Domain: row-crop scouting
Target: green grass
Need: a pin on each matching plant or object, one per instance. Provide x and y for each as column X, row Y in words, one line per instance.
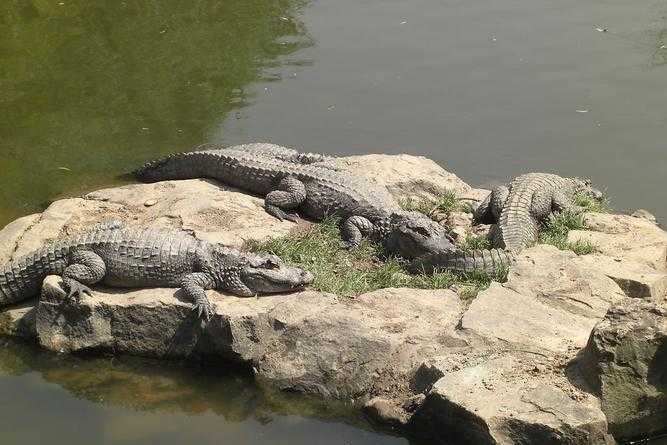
column 445, row 204
column 475, row 242
column 556, row 230
column 592, row 205
column 361, row 270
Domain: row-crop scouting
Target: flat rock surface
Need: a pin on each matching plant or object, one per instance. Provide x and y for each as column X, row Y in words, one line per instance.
column 626, row 238
column 407, row 175
column 500, row 369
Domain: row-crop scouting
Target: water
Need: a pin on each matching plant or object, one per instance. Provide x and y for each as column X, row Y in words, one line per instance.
column 89, row 90
column 126, row 400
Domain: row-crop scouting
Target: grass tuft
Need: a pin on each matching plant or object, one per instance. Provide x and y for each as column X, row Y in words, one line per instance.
column 475, row 242
column 361, row 270
column 445, row 204
column 592, row 205
column 556, row 230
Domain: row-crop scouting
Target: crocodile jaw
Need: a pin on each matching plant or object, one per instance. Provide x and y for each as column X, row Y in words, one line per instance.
column 277, row 279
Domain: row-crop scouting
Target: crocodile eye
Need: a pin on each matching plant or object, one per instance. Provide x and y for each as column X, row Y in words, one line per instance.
column 271, row 263
column 421, row 230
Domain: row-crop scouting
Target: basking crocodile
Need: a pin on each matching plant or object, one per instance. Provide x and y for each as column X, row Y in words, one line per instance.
column 518, row 210
column 144, row 257
column 273, row 151
column 315, row 188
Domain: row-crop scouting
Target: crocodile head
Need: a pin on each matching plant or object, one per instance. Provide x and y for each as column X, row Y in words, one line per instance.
column 249, row 274
column 585, row 187
column 414, row 234
column 268, row 274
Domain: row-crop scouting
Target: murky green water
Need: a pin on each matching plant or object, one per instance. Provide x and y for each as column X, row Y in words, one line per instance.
column 126, row 400
column 90, row 89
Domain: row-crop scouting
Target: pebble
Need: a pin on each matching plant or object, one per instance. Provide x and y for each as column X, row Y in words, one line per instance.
column 150, row 202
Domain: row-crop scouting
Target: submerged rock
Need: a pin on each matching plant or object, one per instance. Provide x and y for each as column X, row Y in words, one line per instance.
column 502, row 369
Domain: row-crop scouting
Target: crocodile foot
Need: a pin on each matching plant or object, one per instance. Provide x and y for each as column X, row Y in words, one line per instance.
column 281, row 214
column 204, row 311
column 349, row 244
column 76, row 290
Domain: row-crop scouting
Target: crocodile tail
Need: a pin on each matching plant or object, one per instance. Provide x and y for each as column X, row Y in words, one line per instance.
column 488, row 261
column 22, row 278
column 189, row 165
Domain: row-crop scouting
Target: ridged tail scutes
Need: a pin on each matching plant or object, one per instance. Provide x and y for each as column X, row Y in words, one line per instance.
column 187, row 165
column 489, row 261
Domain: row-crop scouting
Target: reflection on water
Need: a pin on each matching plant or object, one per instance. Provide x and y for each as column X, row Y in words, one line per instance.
column 132, row 400
column 91, row 89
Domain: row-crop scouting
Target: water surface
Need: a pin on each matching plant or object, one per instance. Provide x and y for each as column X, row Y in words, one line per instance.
column 489, row 90
column 125, row 400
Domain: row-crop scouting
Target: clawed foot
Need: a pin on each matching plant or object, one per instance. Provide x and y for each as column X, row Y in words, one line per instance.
column 281, row 214
column 294, row 217
column 349, row 245
column 76, row 290
column 204, row 312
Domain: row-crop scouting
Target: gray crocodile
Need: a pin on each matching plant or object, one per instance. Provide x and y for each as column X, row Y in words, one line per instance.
column 144, row 257
column 317, row 188
column 518, row 210
column 273, row 151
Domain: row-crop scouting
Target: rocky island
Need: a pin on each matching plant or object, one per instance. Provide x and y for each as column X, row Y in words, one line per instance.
column 569, row 348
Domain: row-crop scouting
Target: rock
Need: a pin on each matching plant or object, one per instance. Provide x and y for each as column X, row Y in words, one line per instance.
column 548, row 303
column 460, row 219
column 625, row 237
column 644, row 214
column 18, row 321
column 385, row 412
column 637, row 280
column 501, row 401
column 308, row 342
column 626, row 362
column 150, row 202
column 459, row 234
column 474, row 195
column 12, row 236
column 407, row 175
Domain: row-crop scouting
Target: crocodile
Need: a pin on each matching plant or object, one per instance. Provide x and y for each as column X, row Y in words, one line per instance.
column 317, row 189
column 518, row 210
column 120, row 256
column 274, row 151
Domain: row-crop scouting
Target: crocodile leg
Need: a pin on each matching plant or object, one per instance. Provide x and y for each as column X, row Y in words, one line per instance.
column 85, row 267
column 353, row 229
column 498, row 199
column 560, row 202
column 290, row 194
column 194, row 285
column 488, row 211
column 482, row 214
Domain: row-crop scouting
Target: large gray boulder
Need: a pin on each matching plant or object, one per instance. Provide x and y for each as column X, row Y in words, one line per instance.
column 626, row 362
column 509, row 384
column 310, row 342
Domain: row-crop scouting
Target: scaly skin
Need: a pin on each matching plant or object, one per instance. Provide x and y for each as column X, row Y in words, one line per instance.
column 518, row 210
column 274, row 151
column 306, row 182
column 144, row 257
